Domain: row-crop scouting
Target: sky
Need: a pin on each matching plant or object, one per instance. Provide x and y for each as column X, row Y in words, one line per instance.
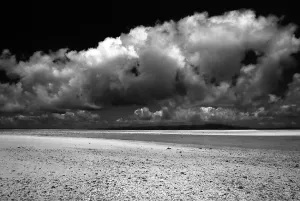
column 87, row 66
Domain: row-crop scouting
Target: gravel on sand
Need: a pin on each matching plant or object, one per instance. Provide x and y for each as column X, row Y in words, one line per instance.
column 64, row 168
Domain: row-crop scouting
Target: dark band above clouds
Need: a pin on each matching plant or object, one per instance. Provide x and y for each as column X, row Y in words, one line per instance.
column 235, row 60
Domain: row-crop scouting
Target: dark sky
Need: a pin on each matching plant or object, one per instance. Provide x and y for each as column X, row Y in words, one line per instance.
column 49, row 26
column 43, row 26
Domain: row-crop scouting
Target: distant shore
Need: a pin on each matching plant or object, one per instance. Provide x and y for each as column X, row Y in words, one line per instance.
column 154, row 126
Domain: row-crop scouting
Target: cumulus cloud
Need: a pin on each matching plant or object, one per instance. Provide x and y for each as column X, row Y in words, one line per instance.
column 145, row 114
column 194, row 114
column 75, row 119
column 197, row 60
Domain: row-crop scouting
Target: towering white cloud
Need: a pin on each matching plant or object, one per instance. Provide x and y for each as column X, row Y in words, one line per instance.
column 198, row 59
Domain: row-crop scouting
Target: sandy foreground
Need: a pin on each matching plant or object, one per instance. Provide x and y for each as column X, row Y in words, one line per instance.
column 68, row 168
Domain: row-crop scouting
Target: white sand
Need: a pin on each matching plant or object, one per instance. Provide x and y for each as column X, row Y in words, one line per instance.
column 64, row 168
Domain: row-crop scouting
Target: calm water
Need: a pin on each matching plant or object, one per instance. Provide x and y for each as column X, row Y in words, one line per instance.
column 63, row 132
column 267, row 139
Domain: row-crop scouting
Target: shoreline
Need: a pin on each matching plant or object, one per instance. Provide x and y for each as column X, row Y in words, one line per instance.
column 198, row 139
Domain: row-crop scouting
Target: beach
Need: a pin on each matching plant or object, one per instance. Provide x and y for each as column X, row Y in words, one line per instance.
column 87, row 165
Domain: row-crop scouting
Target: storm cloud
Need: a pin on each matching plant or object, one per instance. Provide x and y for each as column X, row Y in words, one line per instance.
column 235, row 59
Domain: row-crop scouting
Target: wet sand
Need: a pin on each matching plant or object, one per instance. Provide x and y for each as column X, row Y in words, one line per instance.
column 67, row 168
column 253, row 139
